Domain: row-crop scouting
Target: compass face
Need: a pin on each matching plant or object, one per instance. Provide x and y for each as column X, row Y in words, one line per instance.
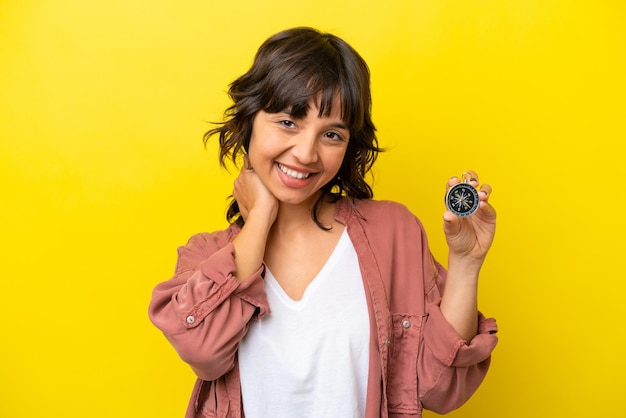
column 462, row 199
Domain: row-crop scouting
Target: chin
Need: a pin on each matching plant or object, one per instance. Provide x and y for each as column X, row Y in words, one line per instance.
column 292, row 200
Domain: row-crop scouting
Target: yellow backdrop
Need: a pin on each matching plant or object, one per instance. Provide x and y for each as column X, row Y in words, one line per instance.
column 103, row 174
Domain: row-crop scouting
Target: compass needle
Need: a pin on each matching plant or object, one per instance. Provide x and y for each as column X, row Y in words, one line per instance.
column 462, row 199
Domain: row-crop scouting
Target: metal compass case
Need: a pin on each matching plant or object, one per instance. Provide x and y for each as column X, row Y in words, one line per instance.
column 462, row 199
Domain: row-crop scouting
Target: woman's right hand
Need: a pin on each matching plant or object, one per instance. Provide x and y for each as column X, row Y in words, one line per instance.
column 252, row 195
column 259, row 209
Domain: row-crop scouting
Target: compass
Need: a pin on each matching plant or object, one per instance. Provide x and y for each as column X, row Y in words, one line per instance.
column 462, row 199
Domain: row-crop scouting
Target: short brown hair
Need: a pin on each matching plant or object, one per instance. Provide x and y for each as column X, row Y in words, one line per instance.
column 289, row 69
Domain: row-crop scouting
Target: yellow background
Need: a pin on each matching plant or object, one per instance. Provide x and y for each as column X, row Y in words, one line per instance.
column 103, row 174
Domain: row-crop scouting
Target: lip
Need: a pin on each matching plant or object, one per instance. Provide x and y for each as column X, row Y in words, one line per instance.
column 300, row 170
column 294, row 182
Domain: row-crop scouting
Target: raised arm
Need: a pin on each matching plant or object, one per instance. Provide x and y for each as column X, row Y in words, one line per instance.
column 458, row 338
column 469, row 240
column 204, row 310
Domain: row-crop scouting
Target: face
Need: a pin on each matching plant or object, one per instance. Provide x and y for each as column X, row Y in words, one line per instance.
column 293, row 157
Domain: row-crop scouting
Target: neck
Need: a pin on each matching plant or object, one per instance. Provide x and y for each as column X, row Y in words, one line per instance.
column 291, row 217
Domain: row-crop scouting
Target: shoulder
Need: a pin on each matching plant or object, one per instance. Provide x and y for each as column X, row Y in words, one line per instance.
column 202, row 245
column 379, row 217
column 212, row 240
column 383, row 211
column 377, row 206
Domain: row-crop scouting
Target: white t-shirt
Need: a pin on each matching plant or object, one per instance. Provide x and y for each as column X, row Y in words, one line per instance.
column 310, row 358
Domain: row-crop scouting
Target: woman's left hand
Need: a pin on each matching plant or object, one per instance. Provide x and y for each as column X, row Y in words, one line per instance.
column 471, row 237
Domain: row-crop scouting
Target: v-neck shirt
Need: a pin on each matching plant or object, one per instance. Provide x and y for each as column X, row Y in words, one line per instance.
column 309, row 358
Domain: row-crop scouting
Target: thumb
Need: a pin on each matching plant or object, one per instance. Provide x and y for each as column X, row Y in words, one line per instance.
column 451, row 224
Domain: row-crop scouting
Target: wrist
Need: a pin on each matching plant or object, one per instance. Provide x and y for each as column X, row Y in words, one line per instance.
column 262, row 216
column 466, row 265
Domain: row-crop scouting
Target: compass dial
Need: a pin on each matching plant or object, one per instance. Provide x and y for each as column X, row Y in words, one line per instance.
column 462, row 199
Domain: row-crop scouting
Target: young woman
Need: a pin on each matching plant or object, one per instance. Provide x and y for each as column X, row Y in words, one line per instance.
column 318, row 301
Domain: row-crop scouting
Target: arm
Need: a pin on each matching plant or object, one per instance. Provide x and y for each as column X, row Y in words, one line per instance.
column 259, row 208
column 458, row 340
column 204, row 310
column 450, row 369
column 469, row 240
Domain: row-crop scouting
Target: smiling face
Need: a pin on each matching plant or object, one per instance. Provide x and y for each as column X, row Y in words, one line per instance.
column 289, row 69
column 295, row 157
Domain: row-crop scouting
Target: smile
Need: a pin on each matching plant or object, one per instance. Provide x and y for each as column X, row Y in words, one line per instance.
column 293, row 173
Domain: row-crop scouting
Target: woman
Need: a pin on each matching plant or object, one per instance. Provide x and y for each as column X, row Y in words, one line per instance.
column 318, row 301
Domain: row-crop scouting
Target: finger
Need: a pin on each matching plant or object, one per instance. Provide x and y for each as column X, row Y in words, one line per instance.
column 486, row 211
column 449, row 217
column 470, row 177
column 451, row 224
column 485, row 192
column 452, row 181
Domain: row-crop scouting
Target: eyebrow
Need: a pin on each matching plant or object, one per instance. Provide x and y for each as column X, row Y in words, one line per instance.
column 336, row 125
column 339, row 125
column 289, row 112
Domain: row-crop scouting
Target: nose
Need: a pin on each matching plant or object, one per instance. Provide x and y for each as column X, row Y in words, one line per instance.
column 305, row 149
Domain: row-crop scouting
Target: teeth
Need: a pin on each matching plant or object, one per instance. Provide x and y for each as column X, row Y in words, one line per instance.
column 293, row 173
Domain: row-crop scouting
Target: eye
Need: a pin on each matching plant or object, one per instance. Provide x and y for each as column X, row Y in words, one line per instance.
column 334, row 136
column 287, row 123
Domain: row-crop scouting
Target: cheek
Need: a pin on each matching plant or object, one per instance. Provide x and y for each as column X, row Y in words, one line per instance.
column 339, row 162
column 262, row 155
column 344, row 162
column 255, row 150
column 255, row 157
column 341, row 156
column 335, row 163
column 256, row 133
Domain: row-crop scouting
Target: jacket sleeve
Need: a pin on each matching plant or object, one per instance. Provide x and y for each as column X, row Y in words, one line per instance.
column 204, row 311
column 450, row 368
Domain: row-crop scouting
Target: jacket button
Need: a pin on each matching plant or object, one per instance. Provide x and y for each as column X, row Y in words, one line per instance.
column 191, row 319
column 406, row 323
